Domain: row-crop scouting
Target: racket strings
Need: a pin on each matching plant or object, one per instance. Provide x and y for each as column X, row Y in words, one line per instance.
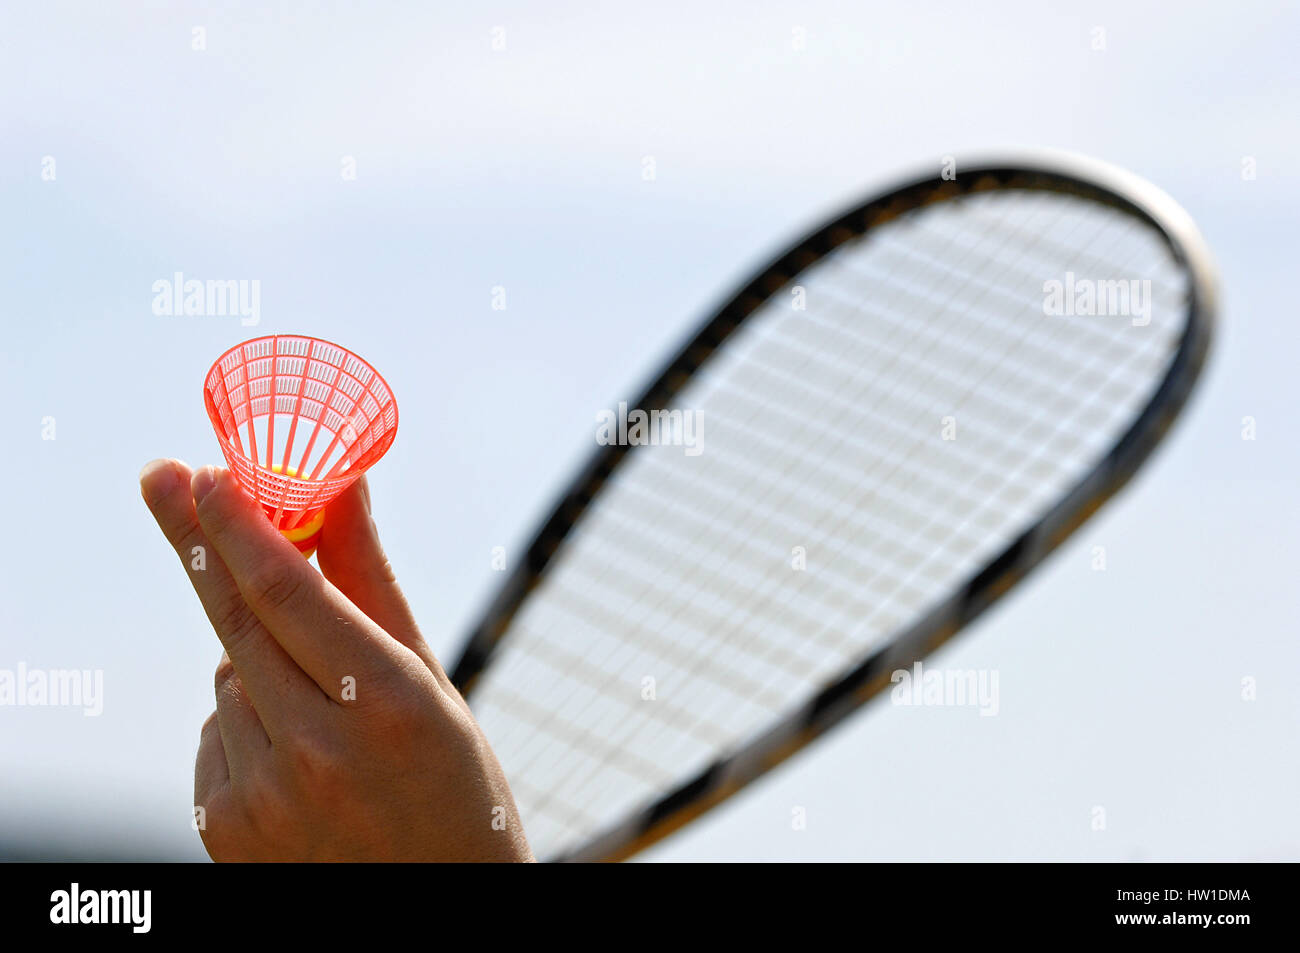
column 1050, row 412
column 822, row 412
column 1044, row 250
column 1037, row 375
column 681, row 567
column 754, row 647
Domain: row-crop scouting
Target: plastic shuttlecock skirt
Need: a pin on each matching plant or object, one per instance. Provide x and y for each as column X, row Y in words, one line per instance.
column 299, row 420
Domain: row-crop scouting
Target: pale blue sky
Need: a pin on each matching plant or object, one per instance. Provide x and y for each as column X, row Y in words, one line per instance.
column 522, row 168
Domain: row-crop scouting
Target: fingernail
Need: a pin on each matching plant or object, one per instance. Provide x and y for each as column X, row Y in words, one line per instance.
column 157, row 479
column 205, row 478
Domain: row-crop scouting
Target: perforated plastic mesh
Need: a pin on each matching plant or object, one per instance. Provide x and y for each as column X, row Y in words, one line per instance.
column 299, row 420
column 860, row 459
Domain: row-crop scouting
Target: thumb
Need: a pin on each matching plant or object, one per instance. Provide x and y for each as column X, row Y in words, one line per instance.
column 351, row 557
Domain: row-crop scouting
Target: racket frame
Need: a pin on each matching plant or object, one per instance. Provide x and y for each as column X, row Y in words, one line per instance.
column 1047, row 171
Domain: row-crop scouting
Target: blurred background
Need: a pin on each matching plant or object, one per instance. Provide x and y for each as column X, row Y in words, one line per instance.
column 388, row 173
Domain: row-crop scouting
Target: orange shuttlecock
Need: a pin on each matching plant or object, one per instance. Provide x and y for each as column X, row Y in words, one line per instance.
column 299, row 420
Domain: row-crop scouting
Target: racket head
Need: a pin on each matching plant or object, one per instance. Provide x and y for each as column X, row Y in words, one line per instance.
column 1163, row 246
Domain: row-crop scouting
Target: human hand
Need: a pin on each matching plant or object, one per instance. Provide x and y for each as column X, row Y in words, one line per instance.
column 337, row 735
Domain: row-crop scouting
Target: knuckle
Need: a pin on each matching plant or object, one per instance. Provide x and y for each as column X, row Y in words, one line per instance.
column 401, row 716
column 311, row 760
column 400, row 692
column 230, row 692
column 272, row 585
column 235, row 623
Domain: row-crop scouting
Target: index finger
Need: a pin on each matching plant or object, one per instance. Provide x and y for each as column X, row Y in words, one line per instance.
column 276, row 685
column 321, row 630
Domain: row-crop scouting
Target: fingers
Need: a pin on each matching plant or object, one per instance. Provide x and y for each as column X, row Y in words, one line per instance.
column 243, row 737
column 270, row 676
column 324, row 633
